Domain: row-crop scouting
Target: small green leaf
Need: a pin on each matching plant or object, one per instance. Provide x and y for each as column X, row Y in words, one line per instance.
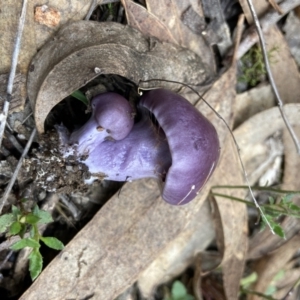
column 250, row 279
column 80, row 96
column 28, row 242
column 15, row 228
column 32, row 219
column 279, row 231
column 5, row 221
column 22, row 231
column 35, row 263
column 36, row 210
column 45, row 217
column 294, row 207
column 16, row 211
column 178, row 290
column 53, row 243
column 271, row 200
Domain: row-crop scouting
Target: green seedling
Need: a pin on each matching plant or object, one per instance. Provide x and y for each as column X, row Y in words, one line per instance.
column 81, row 97
column 273, row 210
column 18, row 222
column 179, row 292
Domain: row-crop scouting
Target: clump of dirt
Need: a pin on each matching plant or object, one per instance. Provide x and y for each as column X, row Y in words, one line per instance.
column 51, row 171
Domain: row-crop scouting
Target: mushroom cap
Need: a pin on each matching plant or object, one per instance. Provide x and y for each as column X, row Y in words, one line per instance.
column 193, row 143
column 112, row 117
column 113, row 113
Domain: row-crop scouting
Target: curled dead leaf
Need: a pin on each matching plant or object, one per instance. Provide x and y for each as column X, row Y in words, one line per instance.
column 69, row 61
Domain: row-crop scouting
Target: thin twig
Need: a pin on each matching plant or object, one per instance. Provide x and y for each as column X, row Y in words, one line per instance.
column 7, row 257
column 239, row 31
column 270, row 76
column 276, row 6
column 18, row 167
column 91, row 9
column 14, row 61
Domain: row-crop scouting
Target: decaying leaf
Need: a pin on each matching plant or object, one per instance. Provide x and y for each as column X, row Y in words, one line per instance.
column 164, row 20
column 35, row 34
column 83, row 50
column 284, row 68
column 251, row 102
column 257, row 129
column 268, row 266
column 179, row 253
column 147, row 23
column 231, row 224
column 264, row 242
column 260, row 8
column 19, row 92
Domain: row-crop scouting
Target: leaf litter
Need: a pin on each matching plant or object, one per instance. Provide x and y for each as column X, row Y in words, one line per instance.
column 139, row 227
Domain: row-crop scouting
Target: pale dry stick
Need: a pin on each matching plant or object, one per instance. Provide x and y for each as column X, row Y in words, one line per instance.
column 14, row 61
column 268, row 20
column 276, row 6
column 7, row 257
column 270, row 76
column 18, row 167
column 91, row 9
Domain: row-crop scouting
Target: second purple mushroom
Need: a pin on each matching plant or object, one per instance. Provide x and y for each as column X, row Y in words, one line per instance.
column 180, row 148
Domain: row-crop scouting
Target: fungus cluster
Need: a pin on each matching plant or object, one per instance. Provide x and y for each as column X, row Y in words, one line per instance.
column 172, row 142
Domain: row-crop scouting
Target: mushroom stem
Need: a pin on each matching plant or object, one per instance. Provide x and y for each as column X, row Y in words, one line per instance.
column 143, row 153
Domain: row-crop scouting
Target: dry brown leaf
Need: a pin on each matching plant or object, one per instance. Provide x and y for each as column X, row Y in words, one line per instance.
column 268, row 266
column 291, row 162
column 265, row 242
column 179, row 253
column 275, row 6
column 285, row 284
column 167, row 14
column 35, row 34
column 10, row 12
column 120, row 242
column 19, row 92
column 260, row 8
column 283, row 66
column 255, row 131
column 231, row 224
column 139, row 18
column 87, row 49
column 251, row 102
column 232, row 228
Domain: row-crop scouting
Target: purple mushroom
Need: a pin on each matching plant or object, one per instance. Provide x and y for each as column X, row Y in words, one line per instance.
column 180, row 148
column 112, row 118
